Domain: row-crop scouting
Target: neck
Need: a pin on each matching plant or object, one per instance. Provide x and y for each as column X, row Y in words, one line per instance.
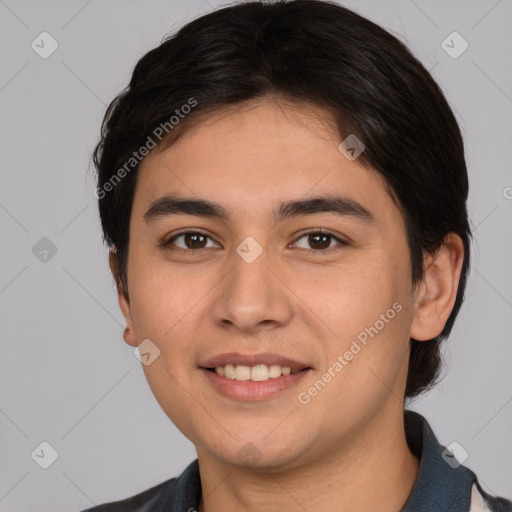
column 373, row 470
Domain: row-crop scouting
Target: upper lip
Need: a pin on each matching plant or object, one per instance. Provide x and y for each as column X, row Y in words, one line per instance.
column 267, row 358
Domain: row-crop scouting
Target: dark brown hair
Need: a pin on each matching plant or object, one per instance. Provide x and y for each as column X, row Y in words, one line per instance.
column 305, row 51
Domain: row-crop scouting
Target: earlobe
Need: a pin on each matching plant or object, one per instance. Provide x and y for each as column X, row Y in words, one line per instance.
column 129, row 334
column 436, row 294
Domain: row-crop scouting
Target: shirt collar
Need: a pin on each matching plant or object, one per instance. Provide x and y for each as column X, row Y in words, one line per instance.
column 441, row 484
column 185, row 495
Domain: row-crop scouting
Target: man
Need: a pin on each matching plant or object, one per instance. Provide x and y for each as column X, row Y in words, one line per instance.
column 283, row 188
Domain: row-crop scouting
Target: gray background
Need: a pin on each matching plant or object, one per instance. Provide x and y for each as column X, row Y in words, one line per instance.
column 66, row 375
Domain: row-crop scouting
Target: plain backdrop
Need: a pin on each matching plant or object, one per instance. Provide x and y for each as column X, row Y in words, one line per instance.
column 66, row 376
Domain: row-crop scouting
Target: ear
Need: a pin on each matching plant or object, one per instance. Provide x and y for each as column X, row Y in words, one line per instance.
column 129, row 334
column 436, row 294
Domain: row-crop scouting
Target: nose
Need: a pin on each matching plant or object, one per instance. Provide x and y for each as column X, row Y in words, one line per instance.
column 253, row 296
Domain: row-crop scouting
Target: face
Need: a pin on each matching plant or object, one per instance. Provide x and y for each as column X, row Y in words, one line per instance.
column 320, row 288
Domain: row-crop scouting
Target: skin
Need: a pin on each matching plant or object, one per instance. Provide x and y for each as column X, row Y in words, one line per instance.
column 346, row 449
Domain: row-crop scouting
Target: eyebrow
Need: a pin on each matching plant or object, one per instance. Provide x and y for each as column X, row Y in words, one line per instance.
column 174, row 205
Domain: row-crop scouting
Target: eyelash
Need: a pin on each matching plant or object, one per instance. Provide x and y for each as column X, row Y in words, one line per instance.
column 168, row 243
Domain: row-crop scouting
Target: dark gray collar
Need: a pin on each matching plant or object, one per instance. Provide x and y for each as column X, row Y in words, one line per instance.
column 439, row 486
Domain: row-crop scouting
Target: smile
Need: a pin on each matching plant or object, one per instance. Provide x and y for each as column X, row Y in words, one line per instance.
column 256, row 373
column 251, row 390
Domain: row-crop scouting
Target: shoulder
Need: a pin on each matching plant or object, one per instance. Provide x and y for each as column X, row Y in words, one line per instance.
column 179, row 493
column 484, row 502
column 138, row 502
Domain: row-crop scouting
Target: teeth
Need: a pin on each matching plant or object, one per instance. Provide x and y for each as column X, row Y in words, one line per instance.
column 230, row 371
column 260, row 372
column 243, row 372
column 274, row 370
column 257, row 373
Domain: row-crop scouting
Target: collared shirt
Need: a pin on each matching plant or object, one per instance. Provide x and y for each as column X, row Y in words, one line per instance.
column 442, row 484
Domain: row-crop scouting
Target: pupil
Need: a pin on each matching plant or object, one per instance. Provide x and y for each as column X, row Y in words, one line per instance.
column 312, row 240
column 195, row 237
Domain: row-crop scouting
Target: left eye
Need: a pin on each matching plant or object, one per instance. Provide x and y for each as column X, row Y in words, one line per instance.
column 320, row 240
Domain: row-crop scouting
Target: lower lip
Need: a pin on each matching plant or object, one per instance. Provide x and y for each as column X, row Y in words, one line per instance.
column 252, row 390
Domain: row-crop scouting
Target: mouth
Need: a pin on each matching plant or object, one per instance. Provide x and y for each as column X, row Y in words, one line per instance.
column 253, row 377
column 256, row 373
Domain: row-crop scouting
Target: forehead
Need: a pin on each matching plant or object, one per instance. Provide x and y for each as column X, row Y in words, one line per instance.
column 253, row 158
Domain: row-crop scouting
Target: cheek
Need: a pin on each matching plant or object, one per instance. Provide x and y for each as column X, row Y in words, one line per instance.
column 156, row 288
column 366, row 309
column 350, row 296
column 159, row 300
column 161, row 306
